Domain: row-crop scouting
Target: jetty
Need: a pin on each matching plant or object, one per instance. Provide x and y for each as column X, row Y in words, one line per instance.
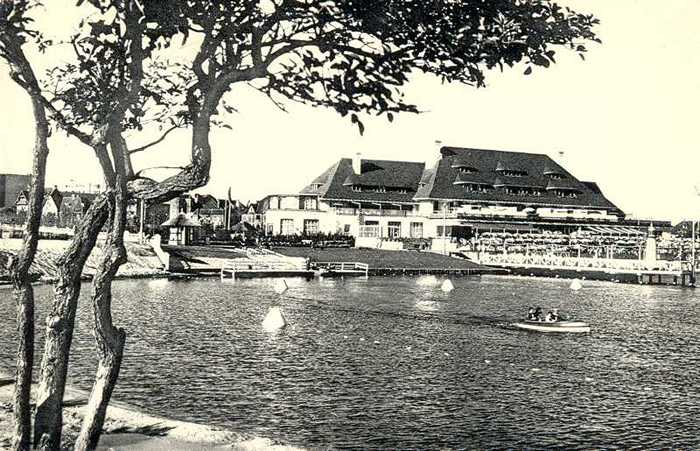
column 660, row 272
column 330, row 269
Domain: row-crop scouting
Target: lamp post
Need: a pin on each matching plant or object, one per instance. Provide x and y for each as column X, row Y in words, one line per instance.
column 143, row 215
column 444, row 228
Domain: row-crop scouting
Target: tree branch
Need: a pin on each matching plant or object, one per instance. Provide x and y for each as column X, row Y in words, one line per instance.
column 156, row 142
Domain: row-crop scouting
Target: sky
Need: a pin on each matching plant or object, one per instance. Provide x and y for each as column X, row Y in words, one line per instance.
column 625, row 118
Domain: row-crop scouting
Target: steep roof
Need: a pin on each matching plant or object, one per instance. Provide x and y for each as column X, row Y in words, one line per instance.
column 321, row 183
column 394, row 176
column 508, row 169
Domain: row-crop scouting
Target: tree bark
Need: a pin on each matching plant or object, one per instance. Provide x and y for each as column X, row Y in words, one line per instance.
column 109, row 339
column 48, row 420
column 23, row 291
column 22, row 72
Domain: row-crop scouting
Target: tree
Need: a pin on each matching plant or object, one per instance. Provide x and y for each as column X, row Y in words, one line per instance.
column 353, row 56
column 12, row 36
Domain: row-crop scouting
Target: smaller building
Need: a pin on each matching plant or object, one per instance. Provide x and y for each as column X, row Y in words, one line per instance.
column 51, row 210
column 74, row 205
column 182, row 229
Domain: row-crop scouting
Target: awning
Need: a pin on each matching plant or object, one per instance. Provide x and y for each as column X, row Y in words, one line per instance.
column 614, row 230
column 497, row 226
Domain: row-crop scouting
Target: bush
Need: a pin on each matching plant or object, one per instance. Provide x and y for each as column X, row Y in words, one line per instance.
column 316, row 240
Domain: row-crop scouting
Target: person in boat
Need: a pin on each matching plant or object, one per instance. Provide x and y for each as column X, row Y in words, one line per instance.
column 538, row 314
column 555, row 315
column 531, row 314
column 552, row 316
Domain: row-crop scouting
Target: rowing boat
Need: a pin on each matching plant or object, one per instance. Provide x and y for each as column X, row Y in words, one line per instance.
column 554, row 326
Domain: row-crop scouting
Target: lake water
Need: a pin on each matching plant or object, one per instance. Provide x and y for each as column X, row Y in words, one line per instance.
column 397, row 363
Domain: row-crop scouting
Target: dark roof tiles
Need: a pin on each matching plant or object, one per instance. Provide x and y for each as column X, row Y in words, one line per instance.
column 399, row 178
column 531, row 166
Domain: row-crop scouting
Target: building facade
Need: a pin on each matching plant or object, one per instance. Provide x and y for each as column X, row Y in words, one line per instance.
column 468, row 191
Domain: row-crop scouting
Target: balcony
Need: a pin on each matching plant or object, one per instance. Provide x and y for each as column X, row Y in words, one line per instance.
column 374, row 212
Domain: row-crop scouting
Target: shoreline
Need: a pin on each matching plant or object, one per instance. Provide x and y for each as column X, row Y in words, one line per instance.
column 128, row 428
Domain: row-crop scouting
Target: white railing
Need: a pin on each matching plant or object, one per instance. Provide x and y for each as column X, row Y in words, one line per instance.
column 583, row 263
column 263, row 263
column 344, row 267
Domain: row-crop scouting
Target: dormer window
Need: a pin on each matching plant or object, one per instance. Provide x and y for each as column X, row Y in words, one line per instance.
column 522, row 191
column 509, row 170
column 464, row 166
column 477, row 188
column 316, row 186
column 357, row 188
column 566, row 193
column 512, row 173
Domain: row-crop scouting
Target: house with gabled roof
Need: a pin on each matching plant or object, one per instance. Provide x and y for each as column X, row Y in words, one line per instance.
column 467, row 191
column 51, row 210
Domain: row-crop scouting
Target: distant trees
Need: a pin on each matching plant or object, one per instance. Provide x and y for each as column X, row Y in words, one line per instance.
column 353, row 57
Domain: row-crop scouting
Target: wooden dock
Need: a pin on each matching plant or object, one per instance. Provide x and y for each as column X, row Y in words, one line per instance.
column 340, row 269
column 683, row 276
column 272, row 268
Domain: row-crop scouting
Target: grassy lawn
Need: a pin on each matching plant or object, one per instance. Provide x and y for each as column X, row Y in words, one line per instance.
column 377, row 258
column 193, row 252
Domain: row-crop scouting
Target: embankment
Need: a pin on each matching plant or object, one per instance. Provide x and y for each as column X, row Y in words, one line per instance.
column 141, row 260
column 128, row 429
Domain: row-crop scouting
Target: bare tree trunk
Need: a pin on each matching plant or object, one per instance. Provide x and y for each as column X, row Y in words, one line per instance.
column 22, row 73
column 48, row 420
column 23, row 291
column 109, row 339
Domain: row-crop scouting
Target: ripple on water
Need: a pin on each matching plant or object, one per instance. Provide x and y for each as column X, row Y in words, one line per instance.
column 397, row 363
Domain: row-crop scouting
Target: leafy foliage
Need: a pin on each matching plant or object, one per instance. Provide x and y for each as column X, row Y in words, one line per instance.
column 353, row 56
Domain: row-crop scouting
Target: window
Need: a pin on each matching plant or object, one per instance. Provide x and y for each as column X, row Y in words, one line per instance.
column 556, row 176
column 513, row 173
column 309, row 203
column 476, row 188
column 287, row 227
column 448, row 231
column 468, row 170
column 416, row 230
column 316, row 186
column 357, row 188
column 346, row 229
column 565, row 193
column 394, row 229
column 310, row 226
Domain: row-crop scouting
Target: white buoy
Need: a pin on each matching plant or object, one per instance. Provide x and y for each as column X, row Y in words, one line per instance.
column 274, row 320
column 281, row 286
column 447, row 286
column 576, row 285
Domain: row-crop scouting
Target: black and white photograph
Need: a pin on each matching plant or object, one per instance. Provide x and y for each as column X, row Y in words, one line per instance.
column 349, row 225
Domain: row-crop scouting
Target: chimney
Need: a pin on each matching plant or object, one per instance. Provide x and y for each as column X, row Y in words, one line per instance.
column 174, row 207
column 357, row 163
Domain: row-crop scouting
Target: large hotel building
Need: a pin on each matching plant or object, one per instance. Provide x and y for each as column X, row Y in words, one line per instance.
column 468, row 191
